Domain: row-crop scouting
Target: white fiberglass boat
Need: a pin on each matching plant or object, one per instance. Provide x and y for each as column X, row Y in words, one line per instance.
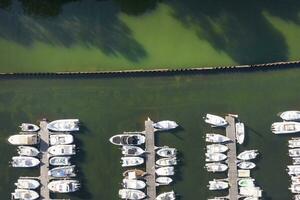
column 166, row 161
column 215, row 121
column 56, row 139
column 296, row 160
column 248, row 155
column 246, row 165
column 60, row 160
column 26, row 183
column 23, row 139
column 297, row 197
column 134, row 174
column 26, row 127
column 285, row 127
column 128, row 150
column 131, row 161
column 166, row 196
column 166, row 152
column 293, row 170
column 218, row 185
column 27, row 151
column 216, row 167
column 24, row 194
column 62, row 172
column 251, row 191
column 292, row 115
column 64, row 186
column 163, row 180
column 251, row 198
column 246, row 182
column 165, row 171
column 240, row 132
column 165, row 125
column 215, row 157
column 62, row 150
column 64, row 125
column 131, row 194
column 295, row 179
column 294, row 152
column 216, row 148
column 294, row 143
column 127, row 139
column 24, row 161
column 216, row 138
column 295, row 188
column 133, row 184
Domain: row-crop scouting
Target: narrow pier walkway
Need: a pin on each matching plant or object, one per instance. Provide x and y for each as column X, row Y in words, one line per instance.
column 232, row 167
column 150, row 160
column 44, row 166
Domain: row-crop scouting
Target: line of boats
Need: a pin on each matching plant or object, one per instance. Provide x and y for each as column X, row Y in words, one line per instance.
column 133, row 155
column 290, row 123
column 60, row 152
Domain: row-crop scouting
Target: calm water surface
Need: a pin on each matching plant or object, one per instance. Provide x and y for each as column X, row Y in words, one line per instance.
column 109, row 106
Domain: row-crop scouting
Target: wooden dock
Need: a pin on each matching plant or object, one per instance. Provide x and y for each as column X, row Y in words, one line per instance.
column 232, row 167
column 150, row 160
column 44, row 166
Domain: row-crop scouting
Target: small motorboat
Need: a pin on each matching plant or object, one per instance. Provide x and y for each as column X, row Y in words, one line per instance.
column 131, row 194
column 131, row 161
column 216, row 167
column 292, row 115
column 133, row 184
column 57, row 139
column 248, row 155
column 24, row 194
column 216, row 138
column 215, row 121
column 295, row 188
column 251, row 198
column 127, row 139
column 215, row 157
column 166, row 152
column 62, row 150
column 26, row 127
column 64, row 125
column 216, row 148
column 165, row 125
column 62, row 172
column 218, row 185
column 128, row 150
column 165, row 171
column 246, row 182
column 294, row 152
column 64, row 186
column 166, row 161
column 251, row 192
column 60, row 160
column 297, row 197
column 294, row 143
column 23, row 139
column 27, row 183
column 166, row 196
column 285, row 127
column 296, row 160
column 24, row 161
column 246, row 165
column 134, row 174
column 163, row 180
column 295, row 179
column 240, row 132
column 27, row 151
column 293, row 170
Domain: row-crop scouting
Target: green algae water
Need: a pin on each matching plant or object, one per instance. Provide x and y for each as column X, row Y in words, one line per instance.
column 89, row 35
column 109, row 106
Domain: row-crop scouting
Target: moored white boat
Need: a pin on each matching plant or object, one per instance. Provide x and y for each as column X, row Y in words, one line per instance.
column 64, row 125
column 131, row 161
column 133, row 184
column 295, row 179
column 60, row 160
column 216, row 167
column 24, row 194
column 285, row 127
column 294, row 143
column 246, row 165
column 296, row 160
column 166, row 152
column 60, row 139
column 134, row 174
column 23, row 139
column 297, row 197
column 216, row 138
column 24, row 161
column 240, row 132
column 64, row 186
column 216, row 148
column 26, row 127
column 295, row 188
column 251, row 191
column 218, row 185
column 248, row 155
column 27, row 183
column 246, row 182
column 215, row 121
column 291, row 115
column 131, row 194
column 215, row 157
column 128, row 150
column 62, row 172
column 62, row 150
column 27, row 151
column 165, row 171
column 294, row 152
column 166, row 196
column 293, row 170
column 127, row 139
column 163, row 180
column 165, row 125
column 166, row 161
